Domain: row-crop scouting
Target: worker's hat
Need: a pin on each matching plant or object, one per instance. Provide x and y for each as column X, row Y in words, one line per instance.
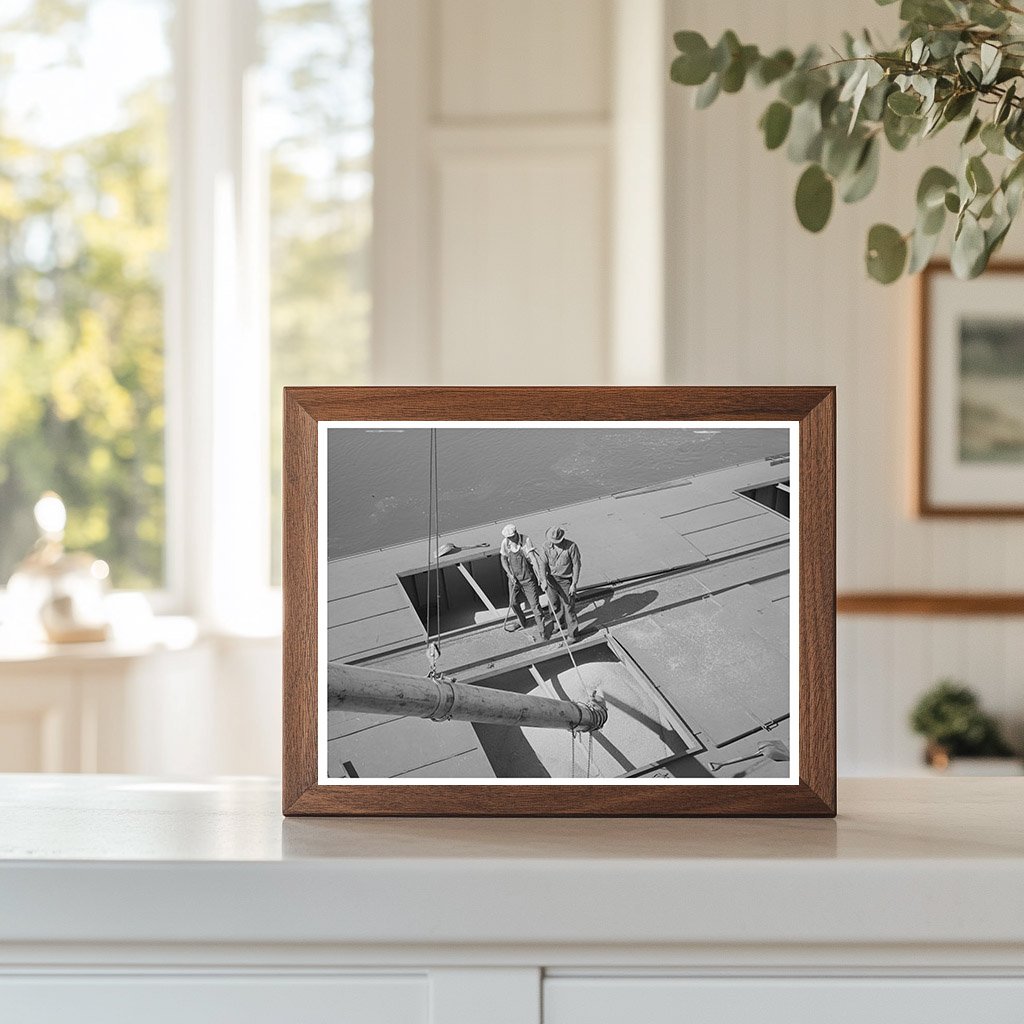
column 510, row 530
column 556, row 533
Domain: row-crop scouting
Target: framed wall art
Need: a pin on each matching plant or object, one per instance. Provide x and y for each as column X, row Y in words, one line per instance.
column 559, row 601
column 970, row 423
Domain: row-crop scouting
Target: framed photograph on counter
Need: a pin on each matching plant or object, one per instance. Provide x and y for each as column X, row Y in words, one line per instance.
column 970, row 444
column 559, row 601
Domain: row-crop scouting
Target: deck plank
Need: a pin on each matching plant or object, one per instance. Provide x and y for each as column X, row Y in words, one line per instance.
column 758, row 529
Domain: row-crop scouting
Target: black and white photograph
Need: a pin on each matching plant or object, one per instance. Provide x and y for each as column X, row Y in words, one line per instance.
column 571, row 602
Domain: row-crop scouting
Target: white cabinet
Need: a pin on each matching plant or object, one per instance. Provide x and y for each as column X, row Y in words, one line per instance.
column 202, row 999
column 824, row 1000
column 126, row 899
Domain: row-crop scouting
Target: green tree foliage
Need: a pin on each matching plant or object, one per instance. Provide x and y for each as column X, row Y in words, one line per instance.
column 318, row 89
column 82, row 229
column 956, row 61
column 82, row 242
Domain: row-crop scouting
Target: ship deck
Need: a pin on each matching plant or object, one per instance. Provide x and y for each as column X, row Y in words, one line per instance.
column 685, row 612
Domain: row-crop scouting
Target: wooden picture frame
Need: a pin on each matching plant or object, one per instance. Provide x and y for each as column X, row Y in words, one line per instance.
column 809, row 414
column 937, row 481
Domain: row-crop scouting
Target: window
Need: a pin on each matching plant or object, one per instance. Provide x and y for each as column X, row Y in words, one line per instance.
column 83, row 237
column 317, row 117
column 185, row 220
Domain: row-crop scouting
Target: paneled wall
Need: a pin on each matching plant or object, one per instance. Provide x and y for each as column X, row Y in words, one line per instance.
column 511, row 138
column 754, row 299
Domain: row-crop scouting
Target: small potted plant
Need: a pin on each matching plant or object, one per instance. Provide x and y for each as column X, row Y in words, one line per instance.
column 950, row 717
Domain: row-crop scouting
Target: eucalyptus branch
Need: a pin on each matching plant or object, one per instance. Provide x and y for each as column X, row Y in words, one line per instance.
column 954, row 58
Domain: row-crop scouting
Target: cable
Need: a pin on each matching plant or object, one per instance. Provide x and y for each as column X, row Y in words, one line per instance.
column 430, row 528
column 583, row 687
column 437, row 542
column 433, row 558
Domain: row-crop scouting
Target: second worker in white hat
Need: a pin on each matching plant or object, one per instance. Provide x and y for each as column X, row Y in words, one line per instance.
column 522, row 565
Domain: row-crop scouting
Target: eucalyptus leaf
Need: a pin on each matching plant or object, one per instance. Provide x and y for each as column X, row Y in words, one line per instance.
column 987, row 15
column 735, row 74
column 775, row 124
column 993, row 138
column 840, row 152
column 929, row 12
column 1013, row 187
column 886, row 253
column 707, row 93
column 958, row 105
column 922, row 248
column 805, row 133
column 944, row 44
column 827, row 106
column 1014, row 192
column 865, row 173
column 932, row 220
column 814, row 195
column 794, row 88
column 931, row 190
column 968, row 248
column 900, row 130
column 933, row 122
column 904, row 103
column 692, row 68
column 873, row 106
column 724, row 51
column 925, row 88
column 973, row 130
column 978, row 176
column 771, row 69
column 991, row 60
column 1005, row 105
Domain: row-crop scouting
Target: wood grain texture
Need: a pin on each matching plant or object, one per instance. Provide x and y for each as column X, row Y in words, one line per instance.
column 812, row 407
column 299, row 591
column 922, row 502
column 925, row 603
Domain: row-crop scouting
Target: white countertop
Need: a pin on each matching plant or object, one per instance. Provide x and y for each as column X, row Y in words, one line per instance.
column 123, row 859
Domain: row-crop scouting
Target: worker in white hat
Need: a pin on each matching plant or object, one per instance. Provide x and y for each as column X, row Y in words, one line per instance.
column 521, row 562
column 561, row 563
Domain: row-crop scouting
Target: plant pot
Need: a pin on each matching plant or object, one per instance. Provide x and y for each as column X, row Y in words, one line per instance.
column 939, row 759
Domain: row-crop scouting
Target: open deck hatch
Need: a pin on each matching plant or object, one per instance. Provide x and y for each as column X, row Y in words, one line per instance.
column 470, row 591
column 773, row 496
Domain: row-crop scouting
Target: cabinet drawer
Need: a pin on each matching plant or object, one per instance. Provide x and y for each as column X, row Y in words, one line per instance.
column 661, row 1000
column 202, row 999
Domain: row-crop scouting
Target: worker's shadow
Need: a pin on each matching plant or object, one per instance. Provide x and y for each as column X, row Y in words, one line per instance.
column 607, row 609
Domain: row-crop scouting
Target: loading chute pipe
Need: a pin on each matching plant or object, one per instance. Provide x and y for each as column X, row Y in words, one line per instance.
column 356, row 688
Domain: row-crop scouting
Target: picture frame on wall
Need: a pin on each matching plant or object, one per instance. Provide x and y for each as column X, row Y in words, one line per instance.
column 559, row 601
column 969, row 448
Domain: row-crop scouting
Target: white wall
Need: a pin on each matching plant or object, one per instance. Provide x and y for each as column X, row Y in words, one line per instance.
column 501, row 160
column 754, row 299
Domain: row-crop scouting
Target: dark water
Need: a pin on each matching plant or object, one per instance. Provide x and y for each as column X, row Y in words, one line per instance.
column 377, row 480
